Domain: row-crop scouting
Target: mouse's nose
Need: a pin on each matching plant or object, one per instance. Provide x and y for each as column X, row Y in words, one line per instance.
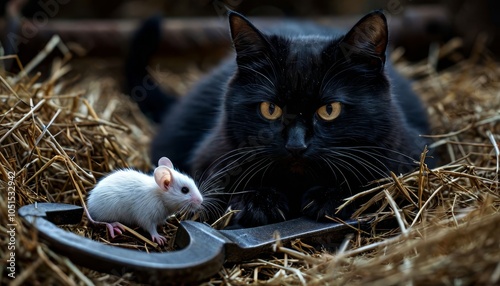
column 197, row 200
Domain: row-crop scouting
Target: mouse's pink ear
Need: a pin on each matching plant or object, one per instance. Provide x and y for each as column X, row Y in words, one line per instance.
column 163, row 177
column 164, row 161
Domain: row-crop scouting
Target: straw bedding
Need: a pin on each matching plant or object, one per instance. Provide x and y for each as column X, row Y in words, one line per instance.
column 60, row 133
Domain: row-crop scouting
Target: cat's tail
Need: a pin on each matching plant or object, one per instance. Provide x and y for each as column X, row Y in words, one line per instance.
column 139, row 84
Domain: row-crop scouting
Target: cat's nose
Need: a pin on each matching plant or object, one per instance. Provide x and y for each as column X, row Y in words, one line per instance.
column 296, row 141
column 296, row 150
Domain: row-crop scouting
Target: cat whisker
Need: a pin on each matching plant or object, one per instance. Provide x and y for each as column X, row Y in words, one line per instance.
column 271, row 64
column 331, row 77
column 330, row 167
column 229, row 155
column 369, row 149
column 248, row 172
column 262, row 87
column 387, row 170
column 240, row 192
column 226, row 156
column 214, row 180
column 281, row 214
column 308, row 205
column 234, row 163
column 334, row 165
column 251, row 171
column 367, row 165
column 265, row 167
column 349, row 166
column 259, row 73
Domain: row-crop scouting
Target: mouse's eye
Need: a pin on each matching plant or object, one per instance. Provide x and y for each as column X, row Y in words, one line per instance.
column 185, row 190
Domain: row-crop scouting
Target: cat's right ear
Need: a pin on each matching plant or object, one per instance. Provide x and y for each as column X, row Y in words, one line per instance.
column 247, row 40
column 368, row 38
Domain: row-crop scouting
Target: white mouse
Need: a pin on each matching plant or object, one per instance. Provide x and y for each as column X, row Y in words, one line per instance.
column 134, row 198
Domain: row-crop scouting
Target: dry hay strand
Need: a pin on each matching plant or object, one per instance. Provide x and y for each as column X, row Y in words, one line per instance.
column 61, row 133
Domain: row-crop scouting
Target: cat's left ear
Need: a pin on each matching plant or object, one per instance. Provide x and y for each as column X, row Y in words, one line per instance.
column 247, row 40
column 368, row 38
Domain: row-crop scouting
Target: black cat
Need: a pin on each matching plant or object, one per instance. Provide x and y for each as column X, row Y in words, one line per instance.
column 298, row 120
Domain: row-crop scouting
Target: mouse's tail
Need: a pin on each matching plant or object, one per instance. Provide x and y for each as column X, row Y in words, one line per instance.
column 139, row 84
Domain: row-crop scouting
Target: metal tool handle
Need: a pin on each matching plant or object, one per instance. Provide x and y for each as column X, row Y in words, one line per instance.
column 193, row 263
column 203, row 254
column 246, row 243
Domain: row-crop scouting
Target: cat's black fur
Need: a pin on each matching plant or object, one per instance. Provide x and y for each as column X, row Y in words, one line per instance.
column 272, row 170
column 140, row 86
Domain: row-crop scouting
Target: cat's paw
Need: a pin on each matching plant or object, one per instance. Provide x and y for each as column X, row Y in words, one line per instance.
column 320, row 202
column 259, row 207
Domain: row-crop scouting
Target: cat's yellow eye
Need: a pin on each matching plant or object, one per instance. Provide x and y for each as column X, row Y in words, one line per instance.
column 329, row 111
column 270, row 110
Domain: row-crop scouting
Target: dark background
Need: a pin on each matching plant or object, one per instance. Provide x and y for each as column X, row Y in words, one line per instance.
column 194, row 29
column 107, row 9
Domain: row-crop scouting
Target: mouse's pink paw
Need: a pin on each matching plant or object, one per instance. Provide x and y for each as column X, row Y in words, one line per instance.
column 158, row 239
column 115, row 227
